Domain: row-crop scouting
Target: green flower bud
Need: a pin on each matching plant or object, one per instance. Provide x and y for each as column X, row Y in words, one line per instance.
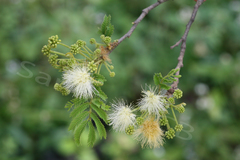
column 170, row 133
column 111, row 67
column 139, row 120
column 97, row 45
column 107, row 40
column 74, row 49
column 70, row 62
column 92, row 41
column 65, row 68
column 112, row 74
column 178, row 128
column 163, row 121
column 53, row 41
column 92, row 66
column 60, row 88
column 65, row 92
column 46, row 50
column 171, row 100
column 130, row 130
column 102, row 37
column 52, row 59
column 56, row 86
column 97, row 51
column 81, row 43
column 181, row 109
column 177, row 93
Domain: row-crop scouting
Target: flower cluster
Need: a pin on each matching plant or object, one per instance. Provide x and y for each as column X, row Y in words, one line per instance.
column 150, row 133
column 78, row 81
column 146, row 127
column 81, row 68
column 152, row 102
column 122, row 116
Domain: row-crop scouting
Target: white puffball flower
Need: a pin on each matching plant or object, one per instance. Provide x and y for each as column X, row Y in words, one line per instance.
column 152, row 102
column 121, row 117
column 78, row 81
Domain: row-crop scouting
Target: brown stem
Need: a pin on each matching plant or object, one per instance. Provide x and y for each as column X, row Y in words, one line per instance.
column 135, row 23
column 183, row 45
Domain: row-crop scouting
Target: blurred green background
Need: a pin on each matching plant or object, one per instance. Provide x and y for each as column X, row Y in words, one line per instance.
column 33, row 121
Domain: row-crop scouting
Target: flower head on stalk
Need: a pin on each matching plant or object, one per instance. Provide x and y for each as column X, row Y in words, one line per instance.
column 122, row 116
column 152, row 102
column 150, row 134
column 78, row 81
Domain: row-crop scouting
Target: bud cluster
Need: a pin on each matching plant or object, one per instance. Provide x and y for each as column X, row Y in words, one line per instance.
column 177, row 93
column 170, row 134
column 130, row 130
column 60, row 88
column 53, row 41
column 163, row 121
column 178, row 128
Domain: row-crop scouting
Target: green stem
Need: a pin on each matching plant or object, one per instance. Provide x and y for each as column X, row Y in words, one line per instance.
column 62, row 59
column 99, row 68
column 86, row 51
column 159, row 89
column 65, row 45
column 100, row 44
column 135, row 109
column 93, row 80
column 89, row 50
column 55, row 52
column 98, row 62
column 80, row 60
column 174, row 115
column 144, row 115
column 168, row 126
column 106, row 65
column 84, row 56
column 90, row 110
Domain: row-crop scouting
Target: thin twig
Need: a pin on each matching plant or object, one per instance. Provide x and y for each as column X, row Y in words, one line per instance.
column 183, row 45
column 135, row 23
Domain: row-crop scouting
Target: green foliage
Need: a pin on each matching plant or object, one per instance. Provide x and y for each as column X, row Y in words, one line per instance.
column 101, row 113
column 105, row 107
column 83, row 113
column 74, row 102
column 77, row 119
column 99, row 77
column 79, row 109
column 91, row 134
column 100, row 94
column 78, row 131
column 107, row 28
column 100, row 127
column 162, row 82
column 99, row 103
column 69, row 105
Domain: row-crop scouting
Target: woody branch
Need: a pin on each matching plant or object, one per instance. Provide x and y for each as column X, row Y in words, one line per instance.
column 183, row 45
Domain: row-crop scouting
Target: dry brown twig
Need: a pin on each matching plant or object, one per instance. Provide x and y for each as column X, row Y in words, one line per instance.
column 135, row 23
column 183, row 45
column 182, row 40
